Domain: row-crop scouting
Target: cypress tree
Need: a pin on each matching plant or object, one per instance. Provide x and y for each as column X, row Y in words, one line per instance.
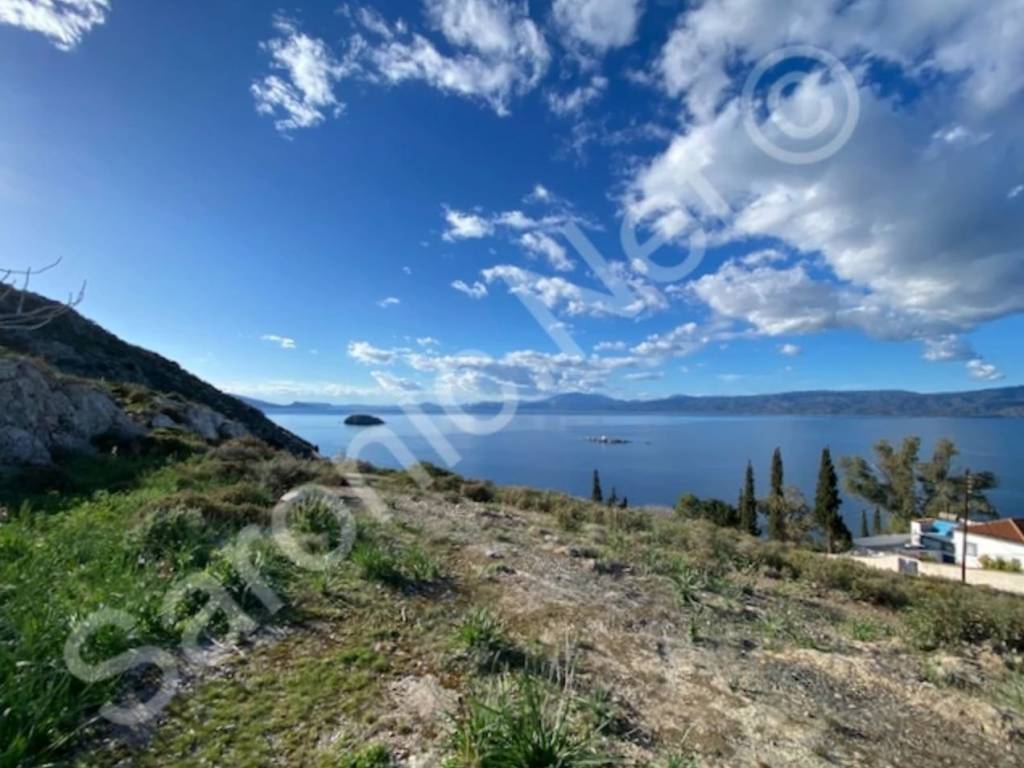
column 827, row 503
column 748, row 504
column 777, row 500
column 877, row 522
column 864, row 524
column 595, row 494
column 614, row 498
column 625, row 503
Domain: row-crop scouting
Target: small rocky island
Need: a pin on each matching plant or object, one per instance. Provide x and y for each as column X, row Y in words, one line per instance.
column 363, row 420
column 606, row 440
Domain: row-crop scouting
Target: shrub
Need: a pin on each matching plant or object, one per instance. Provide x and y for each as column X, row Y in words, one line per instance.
column 315, row 520
column 482, row 492
column 523, row 721
column 999, row 564
column 481, row 633
column 373, row 756
column 177, row 533
column 391, row 564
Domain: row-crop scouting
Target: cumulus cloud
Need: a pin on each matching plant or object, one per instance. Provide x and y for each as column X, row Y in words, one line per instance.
column 428, row 341
column 304, row 94
column 282, row 341
column 633, row 297
column 366, row 353
column 475, row 291
column 497, row 51
column 390, row 301
column 462, row 225
column 880, row 240
column 789, row 350
column 972, row 42
column 575, row 101
column 64, row 22
column 979, row 369
column 395, row 384
column 549, row 248
column 598, row 24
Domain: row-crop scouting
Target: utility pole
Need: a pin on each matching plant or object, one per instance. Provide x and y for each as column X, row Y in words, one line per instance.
column 968, row 481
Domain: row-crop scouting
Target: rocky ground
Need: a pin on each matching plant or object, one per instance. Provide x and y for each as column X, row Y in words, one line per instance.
column 749, row 671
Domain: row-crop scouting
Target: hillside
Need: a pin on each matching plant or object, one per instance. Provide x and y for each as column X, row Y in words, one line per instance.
column 76, row 346
column 476, row 626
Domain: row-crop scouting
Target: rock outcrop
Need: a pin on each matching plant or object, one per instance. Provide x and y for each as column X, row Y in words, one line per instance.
column 78, row 347
column 45, row 415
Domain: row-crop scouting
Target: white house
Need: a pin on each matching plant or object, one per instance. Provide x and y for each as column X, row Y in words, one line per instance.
column 998, row 540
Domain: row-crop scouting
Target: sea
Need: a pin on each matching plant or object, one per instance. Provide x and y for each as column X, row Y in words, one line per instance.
column 666, row 455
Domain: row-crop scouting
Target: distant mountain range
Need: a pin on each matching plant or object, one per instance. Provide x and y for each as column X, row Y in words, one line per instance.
column 1002, row 402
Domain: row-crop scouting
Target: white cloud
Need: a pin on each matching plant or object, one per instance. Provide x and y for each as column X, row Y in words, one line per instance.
column 947, row 347
column 540, row 194
column 979, row 369
column 644, row 376
column 789, row 350
column 682, row 340
column 428, row 341
column 305, row 94
column 499, row 52
column 573, row 102
column 366, row 353
column 978, row 44
column 598, row 24
column 390, row 301
column 882, row 242
column 549, row 248
column 286, row 389
column 282, row 341
column 465, row 226
column 557, row 293
column 395, row 384
column 64, row 22
column 1015, row 192
column 610, row 346
column 475, row 291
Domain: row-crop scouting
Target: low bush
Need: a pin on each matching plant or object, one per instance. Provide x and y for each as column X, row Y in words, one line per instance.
column 524, row 721
column 391, row 563
column 478, row 491
column 999, row 564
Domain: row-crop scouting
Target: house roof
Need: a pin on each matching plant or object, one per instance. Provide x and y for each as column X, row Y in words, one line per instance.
column 1010, row 529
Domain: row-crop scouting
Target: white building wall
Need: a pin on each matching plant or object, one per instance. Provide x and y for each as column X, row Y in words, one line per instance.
column 985, row 546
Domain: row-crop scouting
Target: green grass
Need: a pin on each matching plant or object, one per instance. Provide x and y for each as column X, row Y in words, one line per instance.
column 117, row 532
column 524, row 722
column 397, row 565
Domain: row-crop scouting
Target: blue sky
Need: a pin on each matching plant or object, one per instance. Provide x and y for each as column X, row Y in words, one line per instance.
column 348, row 202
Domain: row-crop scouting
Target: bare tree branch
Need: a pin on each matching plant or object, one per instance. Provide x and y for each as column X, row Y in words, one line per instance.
column 20, row 319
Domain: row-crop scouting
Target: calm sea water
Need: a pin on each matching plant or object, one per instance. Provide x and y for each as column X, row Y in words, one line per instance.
column 670, row 455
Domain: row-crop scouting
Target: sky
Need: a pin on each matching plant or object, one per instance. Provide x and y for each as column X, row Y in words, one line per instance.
column 379, row 202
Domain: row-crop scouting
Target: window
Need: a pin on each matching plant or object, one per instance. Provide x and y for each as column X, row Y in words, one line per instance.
column 972, row 550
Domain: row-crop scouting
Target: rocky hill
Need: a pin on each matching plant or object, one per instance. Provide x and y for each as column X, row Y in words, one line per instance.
column 73, row 346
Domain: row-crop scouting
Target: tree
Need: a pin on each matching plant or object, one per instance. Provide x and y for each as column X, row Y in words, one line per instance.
column 876, row 524
column 748, row 504
column 624, row 504
column 943, row 492
column 775, row 506
column 826, row 506
column 595, row 494
column 613, row 499
column 17, row 312
column 864, row 533
column 890, row 482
